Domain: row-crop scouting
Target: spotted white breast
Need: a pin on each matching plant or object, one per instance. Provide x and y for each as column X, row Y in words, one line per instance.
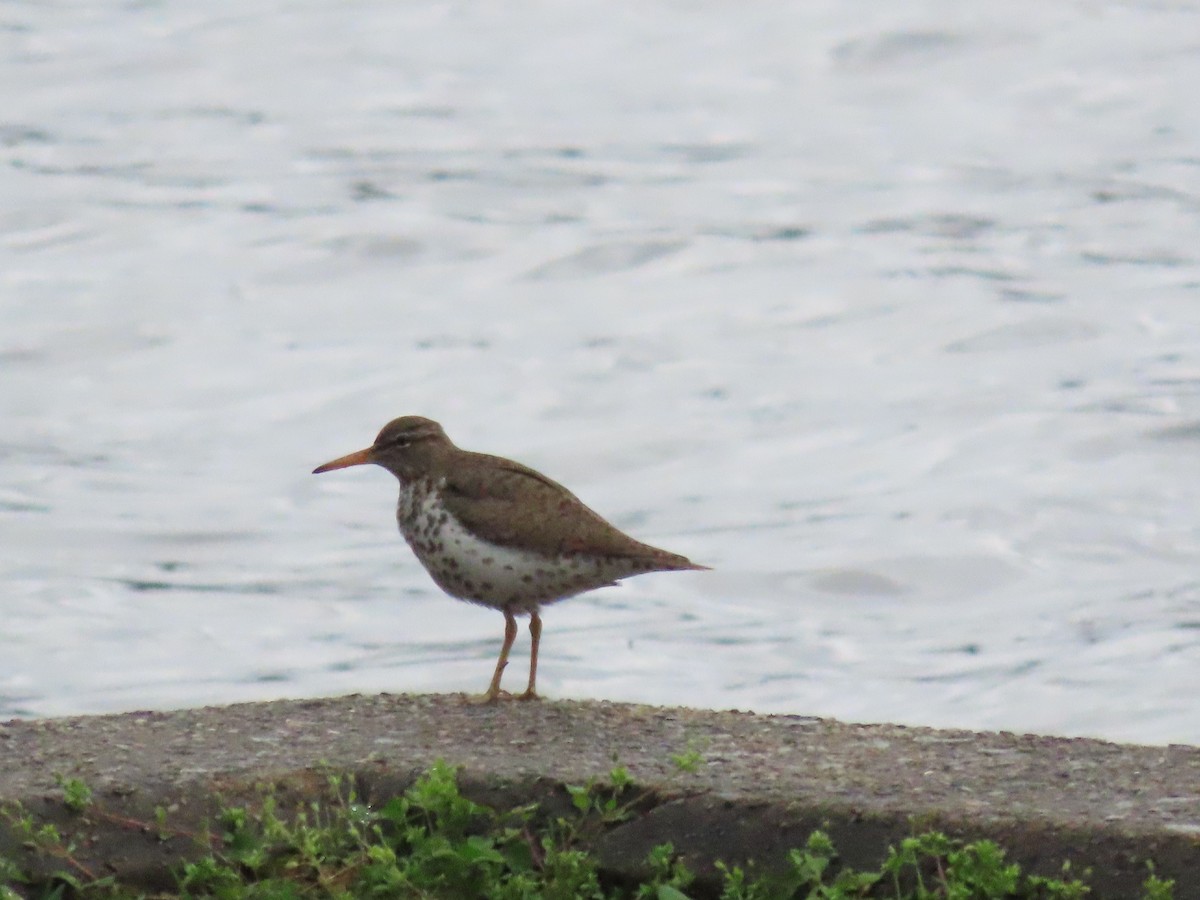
column 469, row 568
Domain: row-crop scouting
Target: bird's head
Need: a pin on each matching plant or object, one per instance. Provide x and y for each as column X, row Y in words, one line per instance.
column 405, row 446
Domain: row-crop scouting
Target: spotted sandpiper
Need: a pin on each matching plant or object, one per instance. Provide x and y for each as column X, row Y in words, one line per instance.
column 495, row 532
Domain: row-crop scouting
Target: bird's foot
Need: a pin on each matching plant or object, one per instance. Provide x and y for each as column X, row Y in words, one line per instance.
column 490, row 698
column 529, row 694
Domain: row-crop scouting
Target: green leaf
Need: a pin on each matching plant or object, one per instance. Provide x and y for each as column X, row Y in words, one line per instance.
column 581, row 797
column 395, row 810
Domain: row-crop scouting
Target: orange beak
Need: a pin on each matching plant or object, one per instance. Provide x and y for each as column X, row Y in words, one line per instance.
column 360, row 458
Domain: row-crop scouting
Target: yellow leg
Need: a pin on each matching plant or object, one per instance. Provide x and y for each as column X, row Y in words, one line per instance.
column 535, row 635
column 510, row 635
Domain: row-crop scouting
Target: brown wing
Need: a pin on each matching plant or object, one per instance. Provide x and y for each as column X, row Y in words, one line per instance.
column 512, row 505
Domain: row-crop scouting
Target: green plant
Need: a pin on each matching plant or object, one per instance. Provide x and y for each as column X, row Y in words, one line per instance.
column 1156, row 888
column 77, row 796
column 434, row 842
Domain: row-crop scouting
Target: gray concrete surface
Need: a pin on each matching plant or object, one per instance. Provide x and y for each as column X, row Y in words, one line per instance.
column 766, row 781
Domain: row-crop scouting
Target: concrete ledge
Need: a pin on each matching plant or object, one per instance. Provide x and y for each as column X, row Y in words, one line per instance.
column 766, row 783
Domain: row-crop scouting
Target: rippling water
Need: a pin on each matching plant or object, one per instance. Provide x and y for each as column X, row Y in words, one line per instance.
column 889, row 313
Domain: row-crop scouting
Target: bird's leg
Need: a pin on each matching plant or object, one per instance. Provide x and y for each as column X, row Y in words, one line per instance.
column 535, row 635
column 510, row 635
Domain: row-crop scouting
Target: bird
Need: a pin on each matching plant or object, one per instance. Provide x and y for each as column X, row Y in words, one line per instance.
column 497, row 533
